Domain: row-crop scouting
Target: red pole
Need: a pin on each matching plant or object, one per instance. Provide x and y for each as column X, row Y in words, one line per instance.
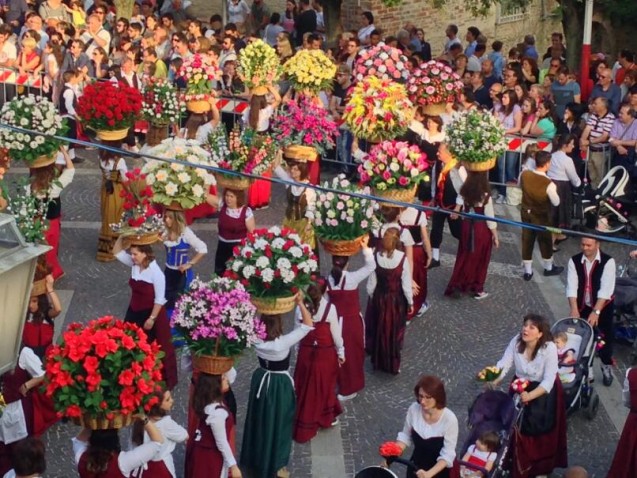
column 585, row 82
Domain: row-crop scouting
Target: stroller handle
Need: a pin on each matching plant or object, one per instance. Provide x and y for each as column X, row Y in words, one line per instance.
column 403, row 461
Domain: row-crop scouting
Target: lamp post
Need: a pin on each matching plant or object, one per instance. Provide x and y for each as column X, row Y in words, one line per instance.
column 586, row 49
column 17, row 266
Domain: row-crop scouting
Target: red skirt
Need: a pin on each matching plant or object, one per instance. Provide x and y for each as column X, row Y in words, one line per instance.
column 314, row 172
column 154, row 469
column 351, row 375
column 202, row 211
column 472, row 260
column 44, row 414
column 260, row 192
column 625, row 460
column 420, row 277
column 165, row 340
column 52, row 237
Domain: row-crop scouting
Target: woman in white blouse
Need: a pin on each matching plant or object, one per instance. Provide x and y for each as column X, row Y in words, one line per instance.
column 390, row 289
column 146, row 307
column 267, row 437
column 432, row 429
column 321, row 352
column 541, row 444
column 563, row 173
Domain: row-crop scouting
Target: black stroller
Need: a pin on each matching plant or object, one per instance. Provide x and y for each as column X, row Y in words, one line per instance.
column 381, row 472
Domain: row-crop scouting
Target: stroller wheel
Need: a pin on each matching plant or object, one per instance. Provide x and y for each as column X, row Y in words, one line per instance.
column 590, row 412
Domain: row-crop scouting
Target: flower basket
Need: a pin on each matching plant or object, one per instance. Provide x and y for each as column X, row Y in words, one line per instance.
column 400, row 195
column 310, row 71
column 30, row 215
column 101, row 422
column 339, row 247
column 173, row 182
column 156, row 134
column 38, row 288
column 199, row 73
column 247, row 152
column 273, row 306
column 174, row 206
column 43, row 161
column 211, row 364
column 302, row 125
column 145, row 239
column 259, row 66
column 36, row 114
column 433, row 84
column 382, row 61
column 237, row 183
column 139, row 221
column 475, row 138
column 378, row 109
column 161, row 104
column 198, row 106
column 480, row 167
column 435, row 109
column 112, row 135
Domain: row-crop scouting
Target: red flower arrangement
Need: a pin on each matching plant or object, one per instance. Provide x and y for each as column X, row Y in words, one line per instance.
column 519, row 385
column 390, row 449
column 108, row 106
column 433, row 83
column 103, row 368
column 139, row 215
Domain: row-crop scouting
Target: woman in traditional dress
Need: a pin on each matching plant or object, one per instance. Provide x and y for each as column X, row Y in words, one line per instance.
column 98, row 452
column 38, row 327
column 267, row 437
column 113, row 168
column 432, row 137
column 236, row 221
column 209, row 453
column 178, row 239
column 625, row 460
column 390, row 289
column 540, row 444
column 321, row 352
column 257, row 117
column 162, row 464
column 432, row 429
column 415, row 222
column 47, row 186
column 476, row 241
column 146, row 308
column 342, row 290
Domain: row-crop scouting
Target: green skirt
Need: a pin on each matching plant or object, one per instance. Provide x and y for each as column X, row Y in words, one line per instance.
column 267, row 436
column 300, row 227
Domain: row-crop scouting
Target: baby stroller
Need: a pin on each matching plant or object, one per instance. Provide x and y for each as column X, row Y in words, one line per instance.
column 496, row 411
column 626, row 307
column 582, row 341
column 380, row 472
column 605, row 209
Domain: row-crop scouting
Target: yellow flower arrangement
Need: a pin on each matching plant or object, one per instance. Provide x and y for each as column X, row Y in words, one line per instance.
column 378, row 109
column 259, row 65
column 311, row 71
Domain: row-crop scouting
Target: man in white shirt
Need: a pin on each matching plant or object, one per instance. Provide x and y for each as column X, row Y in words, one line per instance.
column 95, row 36
column 589, row 288
column 227, row 50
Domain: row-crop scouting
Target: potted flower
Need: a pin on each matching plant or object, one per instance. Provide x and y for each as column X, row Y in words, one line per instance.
column 199, row 73
column 393, row 169
column 433, row 85
column 341, row 221
column 272, row 264
column 476, row 138
column 34, row 113
column 305, row 129
column 175, row 185
column 310, row 71
column 217, row 321
column 29, row 213
column 109, row 109
column 140, row 220
column 102, row 373
column 249, row 153
column 383, row 61
column 378, row 110
column 161, row 107
column 259, row 66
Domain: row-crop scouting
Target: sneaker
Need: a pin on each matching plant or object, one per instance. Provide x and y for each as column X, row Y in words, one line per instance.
column 424, row 308
column 607, row 375
column 527, row 277
column 481, row 295
column 556, row 271
column 344, row 398
column 434, row 263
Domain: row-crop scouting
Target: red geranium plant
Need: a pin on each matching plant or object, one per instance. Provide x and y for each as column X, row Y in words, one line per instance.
column 108, row 106
column 103, row 368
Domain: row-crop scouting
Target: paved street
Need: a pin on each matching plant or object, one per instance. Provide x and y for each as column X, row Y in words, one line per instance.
column 454, row 340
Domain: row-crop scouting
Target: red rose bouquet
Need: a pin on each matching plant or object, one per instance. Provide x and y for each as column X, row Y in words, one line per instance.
column 519, row 385
column 433, row 83
column 390, row 449
column 383, row 61
column 102, row 369
column 106, row 106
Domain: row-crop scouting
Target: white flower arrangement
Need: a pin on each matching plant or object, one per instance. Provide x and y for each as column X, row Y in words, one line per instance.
column 475, row 136
column 161, row 103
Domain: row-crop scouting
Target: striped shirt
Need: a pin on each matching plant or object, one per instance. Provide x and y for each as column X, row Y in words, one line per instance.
column 599, row 126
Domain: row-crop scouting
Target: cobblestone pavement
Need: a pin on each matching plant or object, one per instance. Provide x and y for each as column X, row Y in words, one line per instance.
column 453, row 340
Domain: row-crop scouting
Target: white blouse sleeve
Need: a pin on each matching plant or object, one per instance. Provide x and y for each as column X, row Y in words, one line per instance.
column 406, row 282
column 550, row 367
column 121, row 167
column 197, row 244
column 506, row 362
column 405, row 435
column 125, row 258
column 448, row 452
column 282, row 174
column 79, row 447
column 489, row 212
column 352, row 279
column 310, row 197
column 371, row 283
column 335, row 329
column 626, row 391
column 285, row 342
column 231, row 375
column 30, row 362
column 217, row 422
column 159, row 283
column 173, row 431
column 139, row 456
column 61, row 182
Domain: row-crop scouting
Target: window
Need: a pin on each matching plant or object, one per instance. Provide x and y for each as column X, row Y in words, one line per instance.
column 510, row 11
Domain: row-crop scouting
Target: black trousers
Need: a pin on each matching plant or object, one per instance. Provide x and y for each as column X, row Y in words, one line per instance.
column 437, row 227
column 606, row 328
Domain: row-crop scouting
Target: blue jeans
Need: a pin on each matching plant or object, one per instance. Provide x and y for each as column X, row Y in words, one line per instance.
column 344, row 150
column 508, row 169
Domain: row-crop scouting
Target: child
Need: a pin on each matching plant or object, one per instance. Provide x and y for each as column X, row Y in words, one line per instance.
column 483, row 453
column 514, row 193
column 529, row 154
column 77, row 13
column 565, row 357
column 44, row 306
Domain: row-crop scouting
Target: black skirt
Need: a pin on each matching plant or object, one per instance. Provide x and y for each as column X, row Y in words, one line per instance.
column 224, row 252
column 562, row 214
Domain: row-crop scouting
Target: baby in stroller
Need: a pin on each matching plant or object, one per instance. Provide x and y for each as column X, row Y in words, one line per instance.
column 483, row 454
column 565, row 357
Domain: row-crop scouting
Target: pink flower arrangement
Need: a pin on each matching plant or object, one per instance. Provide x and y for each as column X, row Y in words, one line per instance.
column 393, row 165
column 199, row 73
column 519, row 385
column 249, row 152
column 433, row 83
column 305, row 123
column 383, row 61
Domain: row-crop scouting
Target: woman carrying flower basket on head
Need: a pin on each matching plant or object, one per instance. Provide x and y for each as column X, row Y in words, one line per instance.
column 114, row 169
column 146, row 308
column 321, row 352
column 44, row 306
column 267, row 436
column 391, row 300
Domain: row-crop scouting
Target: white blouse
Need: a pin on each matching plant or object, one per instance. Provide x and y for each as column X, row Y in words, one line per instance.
column 56, row 187
column 128, row 461
column 279, row 348
column 216, row 418
column 408, row 218
column 351, row 279
column 263, row 124
column 405, row 278
column 446, row 427
column 543, row 368
column 562, row 168
column 173, row 433
column 152, row 274
column 189, row 237
column 204, row 131
column 310, row 194
column 118, row 165
column 332, row 319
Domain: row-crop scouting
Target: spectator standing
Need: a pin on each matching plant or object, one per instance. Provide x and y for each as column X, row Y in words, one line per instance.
column 497, row 58
column 564, row 91
column 472, row 40
column 529, row 48
column 488, row 71
column 606, row 89
column 305, row 22
column 289, row 16
column 53, row 12
column 452, row 38
column 95, row 36
column 273, row 29
column 238, row 11
column 557, row 40
column 623, row 139
column 15, row 14
column 368, row 27
column 481, row 91
column 595, row 137
column 259, row 17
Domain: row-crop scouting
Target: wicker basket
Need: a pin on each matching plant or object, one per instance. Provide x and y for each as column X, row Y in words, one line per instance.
column 38, row 288
column 198, row 106
column 401, row 195
column 212, row 364
column 480, row 167
column 300, row 153
column 112, row 135
column 42, row 161
column 103, row 423
column 238, row 183
column 145, row 239
column 435, row 109
column 271, row 306
column 259, row 90
column 174, row 206
column 338, row 247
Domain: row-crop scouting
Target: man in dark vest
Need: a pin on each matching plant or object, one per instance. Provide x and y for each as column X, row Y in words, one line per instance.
column 590, row 288
column 538, row 194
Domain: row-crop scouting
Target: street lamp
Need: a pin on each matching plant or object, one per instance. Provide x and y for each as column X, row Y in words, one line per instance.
column 17, row 266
